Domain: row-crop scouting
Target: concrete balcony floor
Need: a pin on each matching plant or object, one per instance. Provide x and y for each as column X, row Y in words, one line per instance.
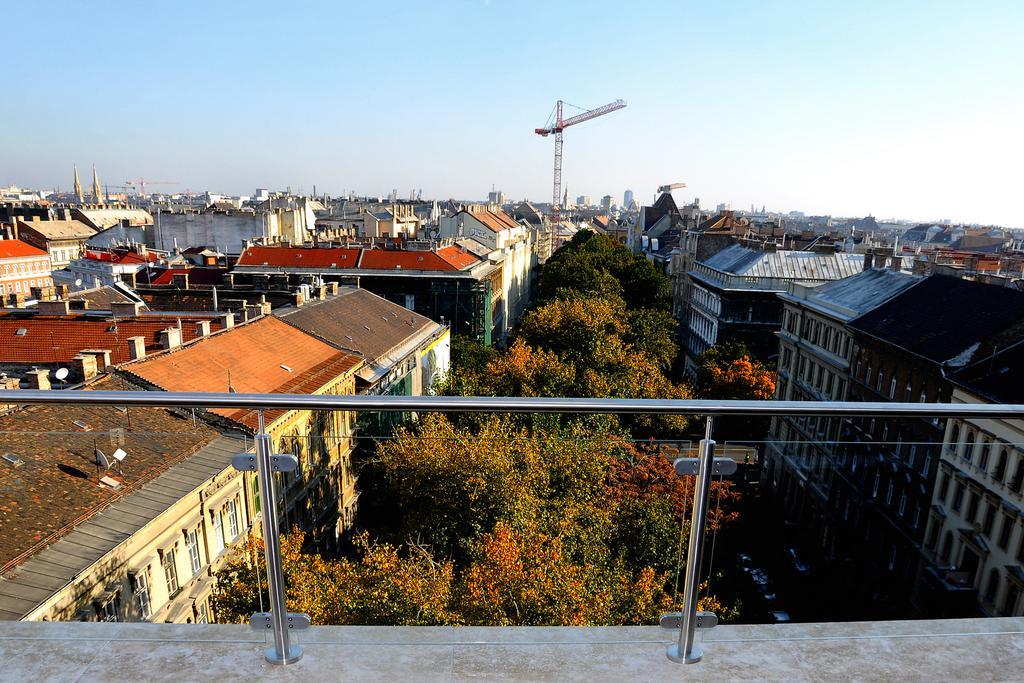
column 964, row 649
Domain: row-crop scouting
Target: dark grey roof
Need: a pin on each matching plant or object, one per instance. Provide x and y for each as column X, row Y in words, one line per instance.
column 946, row 320
column 999, row 378
column 863, row 292
column 54, row 567
column 360, row 321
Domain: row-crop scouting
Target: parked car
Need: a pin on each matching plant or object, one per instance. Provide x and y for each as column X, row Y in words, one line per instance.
column 780, row 617
column 798, row 564
column 759, row 576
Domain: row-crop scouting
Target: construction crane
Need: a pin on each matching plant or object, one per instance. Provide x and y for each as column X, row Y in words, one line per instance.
column 142, row 182
column 671, row 186
column 556, row 124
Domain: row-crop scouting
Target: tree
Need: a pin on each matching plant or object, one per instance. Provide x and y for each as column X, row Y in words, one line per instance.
column 729, row 371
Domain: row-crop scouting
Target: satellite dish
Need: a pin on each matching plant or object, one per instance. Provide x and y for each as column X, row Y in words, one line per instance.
column 61, row 374
column 102, row 460
column 78, row 282
column 120, row 455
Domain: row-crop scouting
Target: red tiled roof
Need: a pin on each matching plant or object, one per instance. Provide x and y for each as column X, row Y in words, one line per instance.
column 18, row 249
column 58, row 339
column 297, row 257
column 265, row 356
column 120, row 256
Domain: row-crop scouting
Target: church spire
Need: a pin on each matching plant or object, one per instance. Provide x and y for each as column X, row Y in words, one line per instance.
column 78, row 187
column 97, row 194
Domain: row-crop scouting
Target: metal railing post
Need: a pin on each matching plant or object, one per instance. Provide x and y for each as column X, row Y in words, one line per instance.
column 686, row 649
column 282, row 652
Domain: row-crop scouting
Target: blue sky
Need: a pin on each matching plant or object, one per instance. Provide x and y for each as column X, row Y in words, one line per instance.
column 906, row 109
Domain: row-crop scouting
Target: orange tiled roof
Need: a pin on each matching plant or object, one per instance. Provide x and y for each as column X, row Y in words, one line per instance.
column 18, row 249
column 265, row 356
column 495, row 220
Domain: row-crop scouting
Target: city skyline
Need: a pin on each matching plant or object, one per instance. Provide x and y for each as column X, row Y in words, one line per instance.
column 851, row 111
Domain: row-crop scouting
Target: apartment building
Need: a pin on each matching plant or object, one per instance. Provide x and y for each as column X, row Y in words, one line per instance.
column 975, row 539
column 23, row 267
column 63, row 240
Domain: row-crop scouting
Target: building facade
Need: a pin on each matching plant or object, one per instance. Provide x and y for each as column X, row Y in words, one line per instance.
column 23, row 267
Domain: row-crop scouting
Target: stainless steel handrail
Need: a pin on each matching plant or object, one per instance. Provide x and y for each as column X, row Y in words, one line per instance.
column 505, row 404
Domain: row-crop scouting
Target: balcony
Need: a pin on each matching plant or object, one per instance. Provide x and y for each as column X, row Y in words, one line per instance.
column 965, row 649
column 246, row 495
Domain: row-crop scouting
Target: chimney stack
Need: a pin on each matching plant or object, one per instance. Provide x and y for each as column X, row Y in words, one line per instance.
column 61, row 307
column 125, row 309
column 227, row 321
column 85, row 364
column 170, row 338
column 137, row 347
column 38, row 379
column 869, row 259
column 203, row 328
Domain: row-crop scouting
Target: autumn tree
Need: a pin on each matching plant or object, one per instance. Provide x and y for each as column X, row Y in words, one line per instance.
column 728, row 371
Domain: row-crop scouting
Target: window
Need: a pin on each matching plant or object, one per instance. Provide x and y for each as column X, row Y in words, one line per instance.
column 926, row 466
column 954, row 437
column 232, row 514
column 1001, row 464
column 983, row 457
column 878, row 381
column 947, row 546
column 218, row 533
column 917, row 517
column 888, row 494
column 943, row 487
column 1004, row 533
column 170, row 572
column 990, row 519
column 1018, row 476
column 192, row 543
column 202, row 613
column 140, row 594
column 892, row 387
column 972, row 507
column 958, row 497
column 968, row 454
column 903, row 504
column 874, row 487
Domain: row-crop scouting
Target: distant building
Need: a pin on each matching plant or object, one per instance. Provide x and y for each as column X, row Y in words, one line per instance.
column 64, row 240
column 627, row 199
column 733, row 295
column 607, row 203
column 22, row 267
column 287, row 220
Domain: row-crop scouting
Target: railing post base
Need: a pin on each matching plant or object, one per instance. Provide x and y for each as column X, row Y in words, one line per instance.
column 675, row 654
column 274, row 657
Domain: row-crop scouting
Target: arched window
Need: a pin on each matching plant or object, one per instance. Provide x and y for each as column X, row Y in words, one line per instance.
column 969, row 450
column 992, row 588
column 954, row 437
column 1000, row 472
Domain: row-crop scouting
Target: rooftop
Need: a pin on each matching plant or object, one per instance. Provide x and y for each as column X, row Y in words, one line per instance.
column 494, row 220
column 58, row 230
column 27, row 337
column 444, row 259
column 57, row 484
column 299, row 257
column 855, row 295
column 962, row 649
column 998, row 378
column 943, row 318
column 360, row 321
column 265, row 356
column 18, row 249
column 795, row 265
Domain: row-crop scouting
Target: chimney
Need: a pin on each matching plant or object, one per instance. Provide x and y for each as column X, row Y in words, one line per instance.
column 896, row 265
column 180, row 280
column 61, row 291
column 102, row 357
column 332, row 288
column 298, row 299
column 869, row 259
column 85, row 365
column 137, row 347
column 9, row 384
column 203, row 328
column 38, row 379
column 253, row 311
column 227, row 321
column 265, row 307
column 17, row 299
column 61, row 307
column 920, row 266
column 125, row 309
column 170, row 338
